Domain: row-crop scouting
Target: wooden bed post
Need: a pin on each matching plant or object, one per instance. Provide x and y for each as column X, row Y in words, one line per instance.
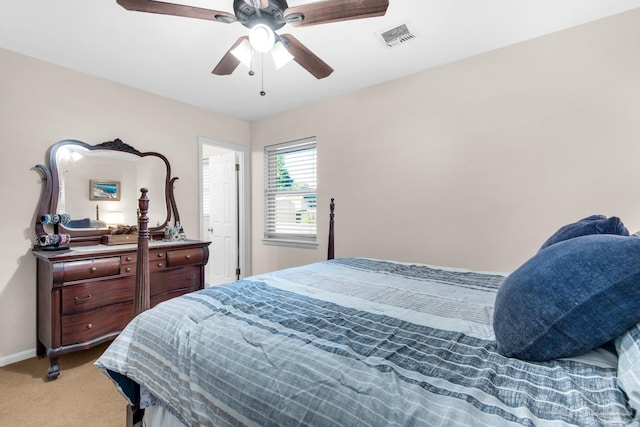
column 332, row 206
column 142, row 293
column 141, row 297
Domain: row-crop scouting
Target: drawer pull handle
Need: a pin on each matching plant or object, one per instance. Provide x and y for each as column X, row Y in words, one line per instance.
column 128, row 269
column 191, row 276
column 128, row 258
column 89, row 326
column 82, row 300
column 94, row 269
column 187, row 256
column 160, row 255
column 160, row 264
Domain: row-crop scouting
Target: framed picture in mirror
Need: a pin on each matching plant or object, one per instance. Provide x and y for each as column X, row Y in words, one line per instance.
column 100, row 189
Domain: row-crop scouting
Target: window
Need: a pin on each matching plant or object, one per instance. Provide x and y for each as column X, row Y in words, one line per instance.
column 290, row 192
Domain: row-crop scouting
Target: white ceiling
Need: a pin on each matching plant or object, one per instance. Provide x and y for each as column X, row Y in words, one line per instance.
column 173, row 56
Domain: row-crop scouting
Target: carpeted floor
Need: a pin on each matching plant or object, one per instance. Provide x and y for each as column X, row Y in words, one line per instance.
column 81, row 396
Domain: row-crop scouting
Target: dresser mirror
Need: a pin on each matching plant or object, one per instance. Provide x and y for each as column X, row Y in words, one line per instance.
column 98, row 187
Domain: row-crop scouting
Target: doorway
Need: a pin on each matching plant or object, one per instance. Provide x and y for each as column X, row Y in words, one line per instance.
column 224, row 220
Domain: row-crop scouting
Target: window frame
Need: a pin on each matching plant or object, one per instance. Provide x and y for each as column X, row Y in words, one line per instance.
column 270, row 235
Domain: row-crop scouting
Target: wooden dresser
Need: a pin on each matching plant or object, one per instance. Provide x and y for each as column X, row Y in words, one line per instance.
column 85, row 294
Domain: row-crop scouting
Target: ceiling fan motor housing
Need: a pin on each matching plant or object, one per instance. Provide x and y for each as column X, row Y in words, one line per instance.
column 273, row 15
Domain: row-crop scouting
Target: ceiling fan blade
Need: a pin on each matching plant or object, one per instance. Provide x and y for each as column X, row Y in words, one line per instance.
column 163, row 8
column 307, row 59
column 322, row 12
column 229, row 62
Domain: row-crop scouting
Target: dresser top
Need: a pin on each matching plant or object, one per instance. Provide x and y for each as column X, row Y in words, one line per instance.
column 92, row 251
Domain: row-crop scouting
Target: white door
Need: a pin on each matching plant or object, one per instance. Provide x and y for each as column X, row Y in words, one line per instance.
column 223, row 220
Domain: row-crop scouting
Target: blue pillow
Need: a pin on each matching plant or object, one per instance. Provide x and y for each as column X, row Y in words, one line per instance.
column 569, row 298
column 79, row 223
column 594, row 224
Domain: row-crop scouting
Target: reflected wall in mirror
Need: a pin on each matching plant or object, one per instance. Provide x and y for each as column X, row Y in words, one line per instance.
column 76, row 169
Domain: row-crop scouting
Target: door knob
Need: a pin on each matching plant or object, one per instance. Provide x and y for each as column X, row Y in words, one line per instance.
column 210, row 229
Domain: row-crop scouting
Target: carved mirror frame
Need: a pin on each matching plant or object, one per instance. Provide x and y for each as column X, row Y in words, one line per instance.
column 50, row 196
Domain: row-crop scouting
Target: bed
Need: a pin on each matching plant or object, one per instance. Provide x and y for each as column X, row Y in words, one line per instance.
column 363, row 342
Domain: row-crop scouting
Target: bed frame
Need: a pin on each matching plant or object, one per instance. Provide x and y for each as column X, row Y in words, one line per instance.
column 141, row 300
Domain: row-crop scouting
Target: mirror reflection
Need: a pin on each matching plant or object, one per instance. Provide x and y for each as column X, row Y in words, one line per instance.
column 100, row 188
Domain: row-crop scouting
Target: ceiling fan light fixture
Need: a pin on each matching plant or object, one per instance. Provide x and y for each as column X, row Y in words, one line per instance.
column 243, row 52
column 280, row 55
column 262, row 38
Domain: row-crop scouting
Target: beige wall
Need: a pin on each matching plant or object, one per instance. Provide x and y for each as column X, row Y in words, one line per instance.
column 41, row 104
column 474, row 164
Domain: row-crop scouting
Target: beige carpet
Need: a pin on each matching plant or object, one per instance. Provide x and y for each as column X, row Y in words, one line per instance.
column 81, row 396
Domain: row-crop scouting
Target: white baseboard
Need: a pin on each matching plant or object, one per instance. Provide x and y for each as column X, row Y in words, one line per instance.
column 17, row 357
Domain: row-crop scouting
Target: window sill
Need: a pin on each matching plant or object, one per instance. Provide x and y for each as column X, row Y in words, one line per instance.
column 290, row 243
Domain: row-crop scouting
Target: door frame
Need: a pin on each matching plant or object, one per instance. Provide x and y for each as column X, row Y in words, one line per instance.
column 244, row 200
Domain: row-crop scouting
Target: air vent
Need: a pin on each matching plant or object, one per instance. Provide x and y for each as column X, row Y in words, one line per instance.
column 396, row 36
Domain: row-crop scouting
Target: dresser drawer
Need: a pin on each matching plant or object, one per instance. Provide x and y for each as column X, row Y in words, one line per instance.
column 185, row 257
column 157, row 260
column 91, row 268
column 77, row 328
column 89, row 296
column 130, row 259
column 175, row 279
column 128, row 270
column 128, row 264
column 157, row 299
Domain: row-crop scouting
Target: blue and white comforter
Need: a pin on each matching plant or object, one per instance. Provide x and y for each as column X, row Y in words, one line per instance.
column 354, row 342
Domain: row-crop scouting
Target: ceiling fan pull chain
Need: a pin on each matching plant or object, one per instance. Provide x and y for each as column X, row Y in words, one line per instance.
column 262, row 92
column 251, row 72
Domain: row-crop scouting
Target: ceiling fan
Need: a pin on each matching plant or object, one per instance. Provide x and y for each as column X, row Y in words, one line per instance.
column 263, row 18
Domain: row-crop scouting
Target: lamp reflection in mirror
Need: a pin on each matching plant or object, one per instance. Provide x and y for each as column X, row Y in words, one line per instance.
column 67, row 154
column 114, row 218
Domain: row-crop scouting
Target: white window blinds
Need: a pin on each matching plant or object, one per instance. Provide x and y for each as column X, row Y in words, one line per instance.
column 290, row 192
